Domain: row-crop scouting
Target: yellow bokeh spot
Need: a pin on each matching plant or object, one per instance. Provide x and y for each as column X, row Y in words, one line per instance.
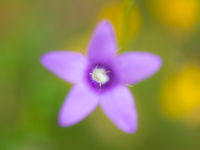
column 126, row 27
column 178, row 14
column 181, row 92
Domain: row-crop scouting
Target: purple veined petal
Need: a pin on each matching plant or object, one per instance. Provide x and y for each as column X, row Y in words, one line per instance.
column 68, row 65
column 103, row 45
column 80, row 102
column 134, row 67
column 119, row 106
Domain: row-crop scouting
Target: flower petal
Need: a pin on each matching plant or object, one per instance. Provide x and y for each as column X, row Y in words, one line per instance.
column 68, row 65
column 119, row 106
column 134, row 67
column 79, row 103
column 103, row 45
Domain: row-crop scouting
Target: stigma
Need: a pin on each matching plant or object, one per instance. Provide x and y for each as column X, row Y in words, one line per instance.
column 100, row 76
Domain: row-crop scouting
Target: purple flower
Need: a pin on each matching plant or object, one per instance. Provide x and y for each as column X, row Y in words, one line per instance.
column 100, row 78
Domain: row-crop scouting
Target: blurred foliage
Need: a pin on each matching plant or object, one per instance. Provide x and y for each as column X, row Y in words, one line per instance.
column 30, row 96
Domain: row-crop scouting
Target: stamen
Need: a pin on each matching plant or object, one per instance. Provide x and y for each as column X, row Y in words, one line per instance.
column 100, row 75
column 100, row 84
column 108, row 71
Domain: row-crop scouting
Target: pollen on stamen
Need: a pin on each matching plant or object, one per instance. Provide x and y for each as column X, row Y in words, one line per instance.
column 100, row 76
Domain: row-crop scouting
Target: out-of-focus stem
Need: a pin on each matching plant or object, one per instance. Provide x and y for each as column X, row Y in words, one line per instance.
column 129, row 8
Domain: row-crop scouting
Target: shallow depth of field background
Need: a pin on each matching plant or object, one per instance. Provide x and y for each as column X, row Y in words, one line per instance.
column 168, row 103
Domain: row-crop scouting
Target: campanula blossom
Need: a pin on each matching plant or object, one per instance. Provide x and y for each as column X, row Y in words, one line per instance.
column 100, row 79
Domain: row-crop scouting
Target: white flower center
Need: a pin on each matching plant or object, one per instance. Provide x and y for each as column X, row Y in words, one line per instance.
column 100, row 75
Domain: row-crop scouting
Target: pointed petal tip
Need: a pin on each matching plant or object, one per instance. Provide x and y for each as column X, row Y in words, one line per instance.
column 79, row 103
column 142, row 64
column 45, row 58
column 129, row 126
column 103, row 43
column 130, row 130
column 42, row 59
column 106, row 22
column 160, row 61
column 60, row 64
column 63, row 122
column 119, row 107
column 66, row 121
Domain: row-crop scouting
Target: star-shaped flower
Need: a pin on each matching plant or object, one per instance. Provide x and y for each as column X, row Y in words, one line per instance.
column 100, row 78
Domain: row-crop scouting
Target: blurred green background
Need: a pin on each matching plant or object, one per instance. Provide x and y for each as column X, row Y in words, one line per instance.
column 168, row 103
